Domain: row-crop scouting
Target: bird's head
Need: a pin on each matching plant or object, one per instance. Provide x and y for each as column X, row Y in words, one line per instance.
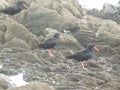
column 22, row 3
column 57, row 35
column 92, row 46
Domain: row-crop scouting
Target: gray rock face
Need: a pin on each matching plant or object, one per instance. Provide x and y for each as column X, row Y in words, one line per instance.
column 34, row 86
column 109, row 9
column 4, row 82
column 40, row 22
column 104, row 32
column 57, row 14
column 111, row 12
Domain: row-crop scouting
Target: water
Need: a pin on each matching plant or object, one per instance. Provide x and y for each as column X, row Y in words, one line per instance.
column 1, row 66
column 17, row 79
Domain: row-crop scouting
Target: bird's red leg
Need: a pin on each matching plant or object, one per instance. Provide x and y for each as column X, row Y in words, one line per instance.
column 83, row 66
column 11, row 17
column 50, row 53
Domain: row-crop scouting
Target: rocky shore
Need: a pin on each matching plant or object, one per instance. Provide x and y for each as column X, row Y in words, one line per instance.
column 42, row 19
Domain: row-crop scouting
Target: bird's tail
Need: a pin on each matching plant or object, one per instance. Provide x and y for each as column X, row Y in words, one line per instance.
column 37, row 46
column 69, row 57
column 40, row 45
column 0, row 11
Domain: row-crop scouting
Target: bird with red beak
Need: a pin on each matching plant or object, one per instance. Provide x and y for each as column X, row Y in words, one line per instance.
column 84, row 55
column 51, row 43
column 15, row 9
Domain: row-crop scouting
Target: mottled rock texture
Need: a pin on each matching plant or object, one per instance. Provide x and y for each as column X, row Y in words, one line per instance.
column 19, row 38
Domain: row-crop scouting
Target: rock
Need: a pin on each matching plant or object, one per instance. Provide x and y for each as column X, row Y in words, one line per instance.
column 33, row 86
column 26, row 56
column 17, row 45
column 88, row 28
column 12, row 66
column 117, row 49
column 3, row 3
column 2, row 37
column 4, row 82
column 51, row 14
column 104, row 32
column 70, row 41
column 19, row 31
column 85, row 37
column 44, row 18
column 108, row 33
column 4, row 25
column 111, row 12
column 50, row 32
column 100, row 78
column 114, row 59
column 11, row 71
column 108, row 86
column 109, row 8
column 105, row 51
column 6, row 50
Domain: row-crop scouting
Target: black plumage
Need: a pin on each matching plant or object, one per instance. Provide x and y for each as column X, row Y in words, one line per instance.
column 12, row 10
column 50, row 43
column 84, row 55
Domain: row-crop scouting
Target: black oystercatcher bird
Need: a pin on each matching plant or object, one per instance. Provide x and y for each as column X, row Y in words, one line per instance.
column 50, row 43
column 12, row 10
column 84, row 55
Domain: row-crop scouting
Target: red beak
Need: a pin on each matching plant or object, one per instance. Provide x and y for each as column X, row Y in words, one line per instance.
column 25, row 5
column 96, row 49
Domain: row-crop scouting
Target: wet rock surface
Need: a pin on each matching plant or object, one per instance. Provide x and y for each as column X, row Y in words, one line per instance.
column 19, row 38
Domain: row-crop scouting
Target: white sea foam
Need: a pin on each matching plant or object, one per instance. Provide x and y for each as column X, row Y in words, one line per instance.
column 1, row 66
column 17, row 79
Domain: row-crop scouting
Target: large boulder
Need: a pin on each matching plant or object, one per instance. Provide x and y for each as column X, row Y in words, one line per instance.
column 109, row 11
column 104, row 32
column 18, row 31
column 17, row 45
column 109, row 8
column 53, row 14
column 33, row 86
column 108, row 33
column 4, row 82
